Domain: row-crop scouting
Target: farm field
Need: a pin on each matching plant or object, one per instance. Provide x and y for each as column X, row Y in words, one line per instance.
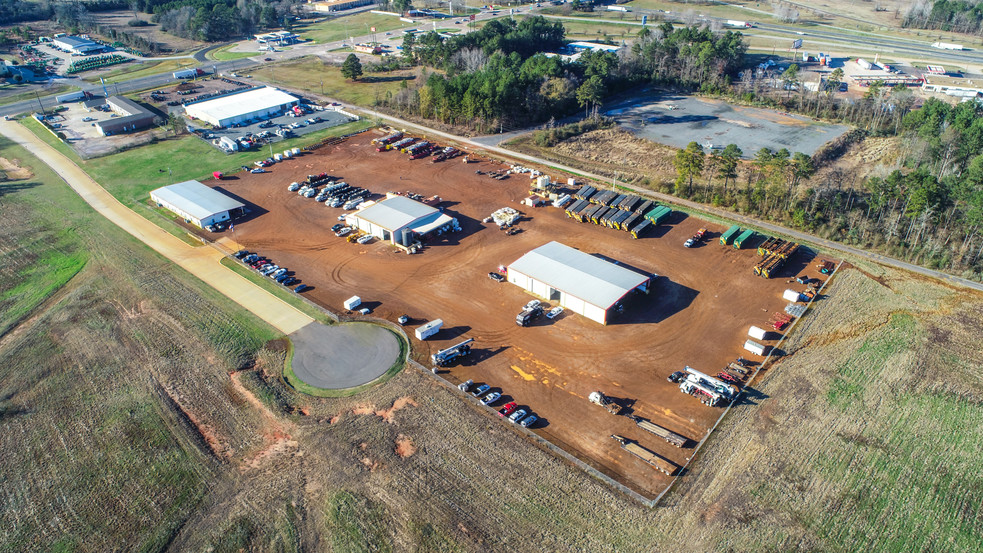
column 341, row 28
column 880, row 384
column 551, row 366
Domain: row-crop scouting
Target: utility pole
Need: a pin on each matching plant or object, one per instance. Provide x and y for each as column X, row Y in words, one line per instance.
column 38, row 96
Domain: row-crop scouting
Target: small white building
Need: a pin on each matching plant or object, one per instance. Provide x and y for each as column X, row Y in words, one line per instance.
column 241, row 107
column 580, row 282
column 400, row 220
column 197, row 204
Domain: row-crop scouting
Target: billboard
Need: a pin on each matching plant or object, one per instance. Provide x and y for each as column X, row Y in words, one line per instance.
column 797, row 44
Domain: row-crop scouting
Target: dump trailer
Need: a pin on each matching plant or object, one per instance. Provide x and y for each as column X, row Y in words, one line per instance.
column 764, row 248
column 388, row 138
column 621, row 218
column 640, row 228
column 585, row 192
column 644, row 207
column 598, row 213
column 445, row 356
column 630, row 202
column 740, row 239
column 598, row 398
column 661, row 215
column 726, row 237
column 630, row 221
column 649, row 457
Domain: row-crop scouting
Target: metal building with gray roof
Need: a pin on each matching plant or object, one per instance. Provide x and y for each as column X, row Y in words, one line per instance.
column 400, row 220
column 578, row 281
column 197, row 204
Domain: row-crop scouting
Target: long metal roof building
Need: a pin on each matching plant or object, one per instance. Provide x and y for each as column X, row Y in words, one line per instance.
column 241, row 106
column 581, row 282
column 197, row 203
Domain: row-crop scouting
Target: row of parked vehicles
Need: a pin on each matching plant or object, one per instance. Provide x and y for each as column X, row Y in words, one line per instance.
column 334, row 194
column 266, row 267
column 533, row 310
column 486, row 397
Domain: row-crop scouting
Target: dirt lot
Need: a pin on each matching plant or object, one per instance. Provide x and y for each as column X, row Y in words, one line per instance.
column 168, row 42
column 697, row 314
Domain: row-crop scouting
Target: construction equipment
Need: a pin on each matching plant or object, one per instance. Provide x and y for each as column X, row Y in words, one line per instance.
column 445, row 356
column 660, row 463
column 737, row 368
column 710, row 390
column 598, row 398
column 664, row 433
column 826, row 267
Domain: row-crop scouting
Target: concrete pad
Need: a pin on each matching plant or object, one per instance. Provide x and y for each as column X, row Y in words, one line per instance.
column 343, row 356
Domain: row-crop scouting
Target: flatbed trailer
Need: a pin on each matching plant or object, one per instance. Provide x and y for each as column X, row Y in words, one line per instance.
column 660, row 463
column 662, row 432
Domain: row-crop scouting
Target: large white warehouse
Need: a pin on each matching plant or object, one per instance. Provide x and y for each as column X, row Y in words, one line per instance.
column 197, row 204
column 400, row 220
column 240, row 107
column 578, row 281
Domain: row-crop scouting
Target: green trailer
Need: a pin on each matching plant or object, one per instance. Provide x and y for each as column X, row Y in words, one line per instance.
column 658, row 214
column 740, row 239
column 726, row 237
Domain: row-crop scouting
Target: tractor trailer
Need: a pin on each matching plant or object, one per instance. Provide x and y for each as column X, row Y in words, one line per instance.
column 598, row 398
column 739, row 24
column 947, row 46
column 445, row 356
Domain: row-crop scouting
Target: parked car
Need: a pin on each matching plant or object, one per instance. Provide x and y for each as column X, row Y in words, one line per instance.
column 497, row 277
column 257, row 170
column 267, row 59
column 365, row 239
column 491, row 398
column 507, row 409
column 465, row 386
column 300, row 288
column 343, row 231
column 533, row 304
column 689, row 243
column 480, row 390
column 365, row 311
column 336, row 227
column 677, row 377
column 240, row 254
column 555, row 312
column 289, row 281
column 517, row 416
column 529, row 421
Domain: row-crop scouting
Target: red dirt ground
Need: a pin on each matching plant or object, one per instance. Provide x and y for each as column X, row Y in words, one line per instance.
column 697, row 314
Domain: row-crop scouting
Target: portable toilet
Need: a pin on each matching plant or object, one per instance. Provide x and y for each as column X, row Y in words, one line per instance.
column 295, row 151
column 352, row 302
column 278, row 157
column 756, row 333
column 286, row 153
column 427, row 330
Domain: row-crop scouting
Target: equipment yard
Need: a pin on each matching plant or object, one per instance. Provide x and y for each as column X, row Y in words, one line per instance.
column 697, row 313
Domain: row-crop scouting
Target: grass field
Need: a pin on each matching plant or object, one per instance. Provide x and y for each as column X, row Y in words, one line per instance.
column 135, row 70
column 309, row 73
column 132, row 174
column 29, row 94
column 342, row 28
column 279, row 291
column 223, row 54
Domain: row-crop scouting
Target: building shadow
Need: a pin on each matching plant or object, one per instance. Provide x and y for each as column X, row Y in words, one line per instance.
column 665, row 299
column 468, row 226
column 252, row 210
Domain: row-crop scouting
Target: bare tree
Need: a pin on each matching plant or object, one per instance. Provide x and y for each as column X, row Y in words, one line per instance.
column 786, row 13
column 469, row 60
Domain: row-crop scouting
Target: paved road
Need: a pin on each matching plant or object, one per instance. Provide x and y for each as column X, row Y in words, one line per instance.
column 750, row 221
column 202, row 262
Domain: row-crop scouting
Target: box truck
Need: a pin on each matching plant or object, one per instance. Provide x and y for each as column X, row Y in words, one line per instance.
column 352, row 302
column 427, row 330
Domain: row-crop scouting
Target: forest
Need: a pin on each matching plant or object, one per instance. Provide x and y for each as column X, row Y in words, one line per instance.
column 499, row 77
column 929, row 211
column 959, row 16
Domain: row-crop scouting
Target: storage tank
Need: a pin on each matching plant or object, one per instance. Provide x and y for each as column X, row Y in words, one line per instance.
column 352, row 302
column 754, row 348
column 791, row 295
column 427, row 330
column 757, row 333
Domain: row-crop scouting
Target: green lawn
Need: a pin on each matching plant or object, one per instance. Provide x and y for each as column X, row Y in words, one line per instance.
column 133, row 70
column 310, row 72
column 223, row 54
column 30, row 95
column 131, row 175
column 360, row 24
column 279, row 291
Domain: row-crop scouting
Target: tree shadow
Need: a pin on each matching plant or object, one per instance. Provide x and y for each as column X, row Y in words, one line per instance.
column 14, row 187
column 389, row 79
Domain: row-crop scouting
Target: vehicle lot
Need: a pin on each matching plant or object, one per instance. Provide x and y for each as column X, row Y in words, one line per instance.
column 697, row 314
column 79, row 127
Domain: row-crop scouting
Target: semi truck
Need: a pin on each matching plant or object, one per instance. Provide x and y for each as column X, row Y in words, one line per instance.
column 618, row 9
column 185, row 74
column 445, row 356
column 598, row 398
column 72, row 96
column 739, row 24
column 660, row 463
column 947, row 46
column 662, row 432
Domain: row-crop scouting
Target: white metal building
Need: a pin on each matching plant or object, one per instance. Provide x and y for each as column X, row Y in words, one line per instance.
column 578, row 281
column 76, row 45
column 197, row 204
column 400, row 220
column 240, row 107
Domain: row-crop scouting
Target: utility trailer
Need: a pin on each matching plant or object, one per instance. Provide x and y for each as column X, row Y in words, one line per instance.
column 660, row 463
column 585, row 192
column 445, row 356
column 664, row 433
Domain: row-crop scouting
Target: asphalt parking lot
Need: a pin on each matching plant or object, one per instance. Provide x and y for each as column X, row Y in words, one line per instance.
column 329, row 118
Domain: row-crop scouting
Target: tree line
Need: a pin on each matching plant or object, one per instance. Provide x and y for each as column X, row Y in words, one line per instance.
column 958, row 16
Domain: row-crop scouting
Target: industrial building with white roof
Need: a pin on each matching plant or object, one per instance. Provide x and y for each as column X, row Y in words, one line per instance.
column 400, row 220
column 197, row 204
column 580, row 282
column 240, row 107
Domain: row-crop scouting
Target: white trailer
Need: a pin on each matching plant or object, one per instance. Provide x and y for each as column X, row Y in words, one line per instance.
column 757, row 333
column 723, row 388
column 185, row 74
column 618, row 9
column 353, row 302
column 71, row 97
column 791, row 295
column 427, row 330
column 754, row 348
column 947, row 46
column 737, row 23
column 864, row 64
